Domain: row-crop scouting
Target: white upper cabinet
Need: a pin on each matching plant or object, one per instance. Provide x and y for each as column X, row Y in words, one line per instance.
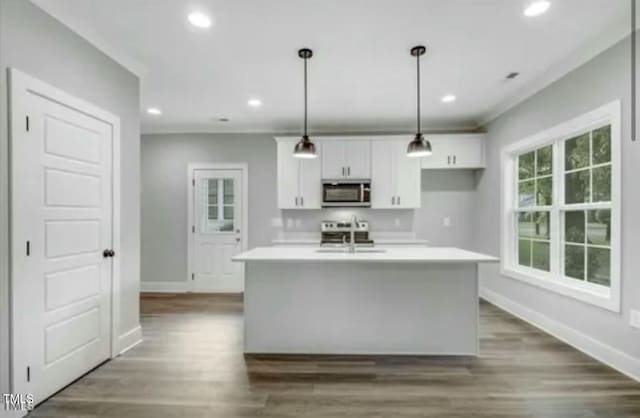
column 346, row 158
column 456, row 151
column 299, row 180
column 395, row 179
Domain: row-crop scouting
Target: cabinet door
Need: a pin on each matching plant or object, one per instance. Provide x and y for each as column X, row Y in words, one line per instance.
column 288, row 176
column 310, row 181
column 333, row 159
column 443, row 151
column 358, row 159
column 468, row 151
column 408, row 178
column 383, row 175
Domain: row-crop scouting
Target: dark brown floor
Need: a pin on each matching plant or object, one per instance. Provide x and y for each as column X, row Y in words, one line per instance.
column 191, row 365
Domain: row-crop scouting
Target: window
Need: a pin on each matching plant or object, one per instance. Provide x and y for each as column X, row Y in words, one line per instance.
column 561, row 208
column 220, row 205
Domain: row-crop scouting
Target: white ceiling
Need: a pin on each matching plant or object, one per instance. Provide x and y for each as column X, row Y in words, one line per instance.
column 362, row 77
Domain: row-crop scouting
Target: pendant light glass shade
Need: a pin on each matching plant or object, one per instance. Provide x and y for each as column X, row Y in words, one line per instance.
column 419, row 146
column 305, row 148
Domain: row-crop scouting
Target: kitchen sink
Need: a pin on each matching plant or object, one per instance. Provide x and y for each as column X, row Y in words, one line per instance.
column 346, row 251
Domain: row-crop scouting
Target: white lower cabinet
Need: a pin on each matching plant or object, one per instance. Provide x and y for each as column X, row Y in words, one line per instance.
column 299, row 180
column 455, row 151
column 395, row 178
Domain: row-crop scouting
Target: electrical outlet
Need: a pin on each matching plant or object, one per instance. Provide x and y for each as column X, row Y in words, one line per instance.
column 446, row 221
column 635, row 319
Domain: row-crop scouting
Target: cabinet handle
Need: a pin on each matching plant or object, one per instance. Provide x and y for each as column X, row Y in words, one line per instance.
column 301, row 200
column 296, row 200
column 393, row 200
column 454, row 159
column 448, row 159
column 348, row 171
column 398, row 199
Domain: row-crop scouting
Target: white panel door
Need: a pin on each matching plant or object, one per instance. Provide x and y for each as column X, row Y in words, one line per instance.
column 217, row 233
column 334, row 162
column 383, row 174
column 288, row 176
column 62, row 239
column 358, row 159
column 408, row 172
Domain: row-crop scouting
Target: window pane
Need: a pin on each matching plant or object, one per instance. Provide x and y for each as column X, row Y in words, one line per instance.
column 577, row 187
column 524, row 252
column 213, row 191
column 544, row 161
column 602, row 184
column 574, row 226
column 228, row 191
column 525, row 193
column 526, row 164
column 599, row 227
column 544, row 191
column 228, row 212
column 574, row 261
column 598, row 265
column 540, row 257
column 213, row 213
column 540, row 223
column 525, row 226
column 577, row 152
column 601, row 145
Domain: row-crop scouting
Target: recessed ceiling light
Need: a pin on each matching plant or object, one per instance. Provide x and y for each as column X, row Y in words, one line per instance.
column 254, row 102
column 199, row 20
column 449, row 98
column 154, row 111
column 537, row 8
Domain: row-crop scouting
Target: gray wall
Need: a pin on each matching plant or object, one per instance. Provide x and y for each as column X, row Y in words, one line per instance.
column 164, row 200
column 35, row 43
column 600, row 81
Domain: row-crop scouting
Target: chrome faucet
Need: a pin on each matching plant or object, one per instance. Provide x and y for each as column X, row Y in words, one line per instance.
column 352, row 241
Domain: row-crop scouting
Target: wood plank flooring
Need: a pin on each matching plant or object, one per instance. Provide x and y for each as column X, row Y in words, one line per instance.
column 191, row 365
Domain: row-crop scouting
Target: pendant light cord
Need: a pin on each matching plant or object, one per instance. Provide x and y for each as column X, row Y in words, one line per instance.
column 305, row 97
column 418, row 95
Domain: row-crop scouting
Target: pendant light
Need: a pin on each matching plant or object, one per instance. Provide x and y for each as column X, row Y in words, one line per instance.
column 419, row 146
column 305, row 148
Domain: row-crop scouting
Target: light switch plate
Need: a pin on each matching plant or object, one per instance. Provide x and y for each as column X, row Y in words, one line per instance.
column 635, row 319
column 446, row 221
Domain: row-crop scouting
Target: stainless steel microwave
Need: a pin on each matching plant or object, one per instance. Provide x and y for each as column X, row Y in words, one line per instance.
column 346, row 193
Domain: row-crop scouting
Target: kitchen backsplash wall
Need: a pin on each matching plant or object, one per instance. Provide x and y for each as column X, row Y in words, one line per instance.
column 444, row 218
column 446, row 194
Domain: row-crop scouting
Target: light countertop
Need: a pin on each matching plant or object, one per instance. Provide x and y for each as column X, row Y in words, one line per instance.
column 386, row 255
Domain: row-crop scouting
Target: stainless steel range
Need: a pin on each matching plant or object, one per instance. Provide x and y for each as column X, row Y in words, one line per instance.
column 338, row 233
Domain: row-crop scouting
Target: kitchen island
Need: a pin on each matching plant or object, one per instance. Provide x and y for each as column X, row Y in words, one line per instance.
column 400, row 301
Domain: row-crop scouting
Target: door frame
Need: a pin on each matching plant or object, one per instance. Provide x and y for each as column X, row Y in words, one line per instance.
column 191, row 167
column 21, row 84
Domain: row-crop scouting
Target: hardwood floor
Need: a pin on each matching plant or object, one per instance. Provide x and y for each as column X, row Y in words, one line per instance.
column 191, row 365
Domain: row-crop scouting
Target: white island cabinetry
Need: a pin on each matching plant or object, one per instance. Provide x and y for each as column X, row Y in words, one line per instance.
column 407, row 301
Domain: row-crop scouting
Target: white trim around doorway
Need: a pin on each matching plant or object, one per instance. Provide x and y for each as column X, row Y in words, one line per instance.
column 191, row 167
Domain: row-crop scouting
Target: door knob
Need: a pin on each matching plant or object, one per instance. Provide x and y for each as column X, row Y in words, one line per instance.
column 108, row 253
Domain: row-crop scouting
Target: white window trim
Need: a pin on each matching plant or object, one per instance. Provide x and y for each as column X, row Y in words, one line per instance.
column 607, row 298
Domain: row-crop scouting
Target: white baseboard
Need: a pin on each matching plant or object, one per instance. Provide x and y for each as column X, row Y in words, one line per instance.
column 130, row 339
column 165, row 287
column 606, row 354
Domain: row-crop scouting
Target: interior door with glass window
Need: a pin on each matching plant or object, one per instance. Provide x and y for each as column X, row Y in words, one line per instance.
column 217, row 230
